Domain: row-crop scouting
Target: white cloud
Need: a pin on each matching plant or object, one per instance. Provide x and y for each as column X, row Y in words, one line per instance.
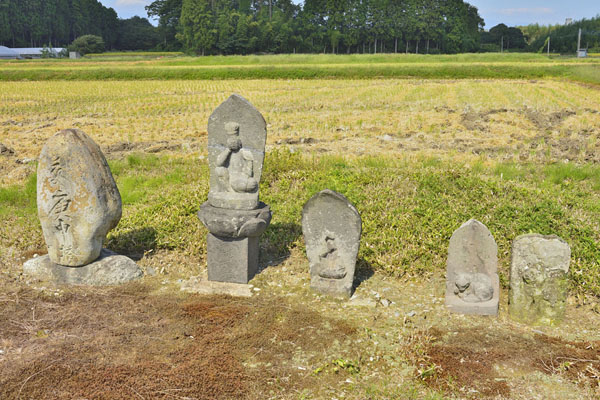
column 518, row 11
column 132, row 2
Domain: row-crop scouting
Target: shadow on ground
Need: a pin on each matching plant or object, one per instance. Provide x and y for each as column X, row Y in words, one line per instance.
column 134, row 243
column 277, row 242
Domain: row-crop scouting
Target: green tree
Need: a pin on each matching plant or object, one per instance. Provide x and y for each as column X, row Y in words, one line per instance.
column 137, row 33
column 88, row 44
column 168, row 13
column 198, row 29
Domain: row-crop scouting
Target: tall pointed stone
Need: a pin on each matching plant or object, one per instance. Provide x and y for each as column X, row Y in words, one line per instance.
column 472, row 283
column 78, row 203
column 77, row 197
column 233, row 215
column 331, row 226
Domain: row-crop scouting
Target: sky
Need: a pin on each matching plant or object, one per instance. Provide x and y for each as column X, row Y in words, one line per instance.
column 509, row 12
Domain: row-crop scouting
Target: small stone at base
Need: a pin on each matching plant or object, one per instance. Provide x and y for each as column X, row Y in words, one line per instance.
column 196, row 285
column 109, row 269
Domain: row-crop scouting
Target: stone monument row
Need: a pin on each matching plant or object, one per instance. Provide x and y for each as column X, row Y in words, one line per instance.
column 79, row 203
column 233, row 214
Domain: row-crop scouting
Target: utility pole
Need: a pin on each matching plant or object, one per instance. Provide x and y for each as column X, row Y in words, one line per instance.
column 270, row 9
column 548, row 45
column 579, row 41
column 502, row 45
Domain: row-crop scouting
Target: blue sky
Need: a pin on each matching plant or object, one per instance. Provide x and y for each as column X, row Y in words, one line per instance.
column 510, row 12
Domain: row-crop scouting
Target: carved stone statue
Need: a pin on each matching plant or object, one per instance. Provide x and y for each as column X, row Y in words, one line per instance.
column 237, row 134
column 233, row 215
column 539, row 279
column 331, row 227
column 235, row 165
column 472, row 284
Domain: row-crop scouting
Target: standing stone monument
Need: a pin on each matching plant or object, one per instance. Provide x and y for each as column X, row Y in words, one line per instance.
column 233, row 214
column 472, row 283
column 78, row 203
column 538, row 279
column 331, row 226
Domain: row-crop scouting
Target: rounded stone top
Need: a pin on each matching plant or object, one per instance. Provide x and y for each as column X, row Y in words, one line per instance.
column 332, row 212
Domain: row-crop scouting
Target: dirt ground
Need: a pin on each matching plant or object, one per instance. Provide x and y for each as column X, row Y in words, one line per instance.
column 394, row 339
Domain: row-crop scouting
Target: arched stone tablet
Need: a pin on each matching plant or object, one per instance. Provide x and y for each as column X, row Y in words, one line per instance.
column 77, row 198
column 331, row 226
column 237, row 134
column 472, row 284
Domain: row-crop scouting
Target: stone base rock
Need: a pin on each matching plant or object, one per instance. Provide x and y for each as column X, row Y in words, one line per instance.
column 341, row 288
column 109, row 269
column 490, row 307
column 197, row 285
column 232, row 260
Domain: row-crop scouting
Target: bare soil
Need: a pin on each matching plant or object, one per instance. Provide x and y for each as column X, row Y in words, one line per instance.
column 150, row 340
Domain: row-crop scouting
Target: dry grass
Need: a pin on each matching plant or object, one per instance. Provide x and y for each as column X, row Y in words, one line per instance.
column 500, row 119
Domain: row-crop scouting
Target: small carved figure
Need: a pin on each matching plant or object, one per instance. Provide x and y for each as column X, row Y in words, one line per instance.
column 235, row 165
column 473, row 288
column 330, row 266
column 472, row 282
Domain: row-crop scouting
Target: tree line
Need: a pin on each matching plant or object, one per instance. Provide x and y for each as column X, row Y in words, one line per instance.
column 281, row 26
column 563, row 38
column 37, row 23
column 321, row 26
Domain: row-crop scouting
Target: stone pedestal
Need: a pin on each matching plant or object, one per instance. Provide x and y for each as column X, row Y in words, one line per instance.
column 109, row 269
column 232, row 241
column 232, row 259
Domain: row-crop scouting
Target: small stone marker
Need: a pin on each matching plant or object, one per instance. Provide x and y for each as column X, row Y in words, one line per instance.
column 233, row 215
column 472, row 283
column 538, row 279
column 78, row 203
column 331, row 226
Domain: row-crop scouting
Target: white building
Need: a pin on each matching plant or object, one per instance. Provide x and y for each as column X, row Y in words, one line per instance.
column 8, row 54
column 36, row 52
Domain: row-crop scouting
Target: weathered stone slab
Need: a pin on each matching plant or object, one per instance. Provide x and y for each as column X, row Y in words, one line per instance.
column 232, row 260
column 472, row 283
column 539, row 279
column 331, row 226
column 109, row 269
column 237, row 134
column 78, row 200
column 199, row 286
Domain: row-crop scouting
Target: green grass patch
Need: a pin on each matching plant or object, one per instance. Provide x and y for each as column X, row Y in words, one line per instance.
column 19, row 200
column 409, row 208
column 463, row 66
